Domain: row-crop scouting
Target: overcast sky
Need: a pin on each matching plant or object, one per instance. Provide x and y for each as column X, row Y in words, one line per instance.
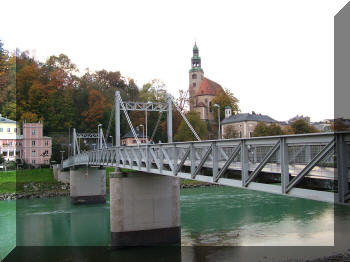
column 276, row 56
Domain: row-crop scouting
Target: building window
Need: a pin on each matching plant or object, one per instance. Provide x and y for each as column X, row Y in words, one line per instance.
column 194, row 76
column 10, row 143
column 33, row 161
column 194, row 84
column 210, row 109
column 46, row 143
column 33, row 132
column 15, row 130
column 250, row 134
column 33, row 153
column 240, row 133
column 33, row 143
column 4, row 153
column 46, row 161
column 46, row 153
column 8, row 130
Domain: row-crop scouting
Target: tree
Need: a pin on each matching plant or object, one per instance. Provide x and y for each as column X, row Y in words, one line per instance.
column 262, row 129
column 223, row 99
column 29, row 117
column 300, row 126
column 184, row 133
column 96, row 108
column 154, row 91
column 230, row 132
column 338, row 125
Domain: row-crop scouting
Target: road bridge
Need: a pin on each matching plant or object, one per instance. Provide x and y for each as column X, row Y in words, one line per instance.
column 145, row 205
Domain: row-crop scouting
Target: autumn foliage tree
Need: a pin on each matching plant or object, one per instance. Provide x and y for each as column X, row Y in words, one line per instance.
column 223, row 99
column 96, row 108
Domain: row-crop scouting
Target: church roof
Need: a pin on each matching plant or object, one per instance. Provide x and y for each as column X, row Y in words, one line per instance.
column 208, row 87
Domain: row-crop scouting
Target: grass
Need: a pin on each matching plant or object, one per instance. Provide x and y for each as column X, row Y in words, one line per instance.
column 14, row 181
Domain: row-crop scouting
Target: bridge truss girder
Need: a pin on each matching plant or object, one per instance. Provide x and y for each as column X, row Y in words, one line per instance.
column 188, row 159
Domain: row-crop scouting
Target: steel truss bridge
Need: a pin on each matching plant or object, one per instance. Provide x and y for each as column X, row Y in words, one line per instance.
column 297, row 163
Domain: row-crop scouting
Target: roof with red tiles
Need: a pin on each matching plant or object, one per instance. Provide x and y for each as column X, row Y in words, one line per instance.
column 208, row 87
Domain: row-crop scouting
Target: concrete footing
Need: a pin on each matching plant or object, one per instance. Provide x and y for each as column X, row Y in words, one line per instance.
column 63, row 176
column 144, row 210
column 88, row 185
column 55, row 169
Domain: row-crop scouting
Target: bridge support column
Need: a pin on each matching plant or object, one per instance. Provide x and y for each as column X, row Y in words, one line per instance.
column 144, row 209
column 88, row 185
column 63, row 176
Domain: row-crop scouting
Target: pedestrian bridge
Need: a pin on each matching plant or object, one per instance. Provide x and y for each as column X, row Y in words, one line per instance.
column 145, row 204
column 312, row 166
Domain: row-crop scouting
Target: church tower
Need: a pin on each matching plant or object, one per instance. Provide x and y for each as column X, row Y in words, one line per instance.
column 195, row 75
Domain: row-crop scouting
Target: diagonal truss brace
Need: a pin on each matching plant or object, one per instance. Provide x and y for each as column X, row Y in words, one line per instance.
column 187, row 153
column 262, row 163
column 201, row 163
column 296, row 180
column 228, row 162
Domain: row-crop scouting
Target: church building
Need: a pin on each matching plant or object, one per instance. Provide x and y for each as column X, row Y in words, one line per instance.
column 201, row 89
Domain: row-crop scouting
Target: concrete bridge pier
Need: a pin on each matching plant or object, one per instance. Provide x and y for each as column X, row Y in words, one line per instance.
column 144, row 209
column 88, row 185
column 63, row 176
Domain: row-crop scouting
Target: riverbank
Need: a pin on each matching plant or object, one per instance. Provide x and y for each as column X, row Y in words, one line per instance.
column 40, row 183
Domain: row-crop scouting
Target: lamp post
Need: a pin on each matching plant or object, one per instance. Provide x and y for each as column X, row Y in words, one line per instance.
column 62, row 151
column 112, row 140
column 143, row 132
column 148, row 103
column 219, row 129
column 99, row 144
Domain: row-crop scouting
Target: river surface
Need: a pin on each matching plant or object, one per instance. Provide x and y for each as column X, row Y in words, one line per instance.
column 210, row 216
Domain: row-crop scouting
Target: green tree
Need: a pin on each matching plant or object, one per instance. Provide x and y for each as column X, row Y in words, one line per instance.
column 154, row 91
column 184, row 133
column 302, row 127
column 230, row 132
column 262, row 129
column 223, row 99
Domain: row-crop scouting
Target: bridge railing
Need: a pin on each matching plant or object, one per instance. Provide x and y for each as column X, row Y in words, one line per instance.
column 294, row 157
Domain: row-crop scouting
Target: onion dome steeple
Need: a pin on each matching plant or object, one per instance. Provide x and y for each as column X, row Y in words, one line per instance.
column 196, row 60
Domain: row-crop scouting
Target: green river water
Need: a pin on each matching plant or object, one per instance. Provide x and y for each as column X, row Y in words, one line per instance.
column 210, row 216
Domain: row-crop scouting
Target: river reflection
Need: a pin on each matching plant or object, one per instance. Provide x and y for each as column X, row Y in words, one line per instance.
column 215, row 216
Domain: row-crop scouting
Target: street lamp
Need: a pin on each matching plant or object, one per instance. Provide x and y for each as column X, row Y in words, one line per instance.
column 112, row 140
column 62, row 151
column 99, row 144
column 143, row 132
column 219, row 129
column 148, row 103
